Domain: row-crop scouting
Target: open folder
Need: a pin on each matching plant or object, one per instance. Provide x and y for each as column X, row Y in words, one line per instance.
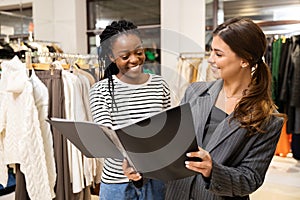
column 155, row 146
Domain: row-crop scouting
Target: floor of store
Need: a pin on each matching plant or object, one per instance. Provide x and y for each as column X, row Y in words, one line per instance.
column 282, row 181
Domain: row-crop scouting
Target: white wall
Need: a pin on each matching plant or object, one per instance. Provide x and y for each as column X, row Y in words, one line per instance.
column 63, row 22
column 183, row 30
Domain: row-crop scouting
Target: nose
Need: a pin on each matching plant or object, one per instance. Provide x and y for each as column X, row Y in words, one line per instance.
column 134, row 58
column 210, row 58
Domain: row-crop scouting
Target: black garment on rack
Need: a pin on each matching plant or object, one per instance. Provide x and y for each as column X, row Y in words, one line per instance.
column 30, row 47
column 268, row 54
column 6, row 52
column 51, row 49
column 295, row 95
column 11, row 183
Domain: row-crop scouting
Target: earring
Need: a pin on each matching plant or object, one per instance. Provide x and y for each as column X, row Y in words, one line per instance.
column 244, row 66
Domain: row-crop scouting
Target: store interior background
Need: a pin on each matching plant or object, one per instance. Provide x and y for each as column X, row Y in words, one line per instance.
column 173, row 27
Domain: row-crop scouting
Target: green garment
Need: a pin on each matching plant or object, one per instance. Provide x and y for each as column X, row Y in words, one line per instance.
column 276, row 51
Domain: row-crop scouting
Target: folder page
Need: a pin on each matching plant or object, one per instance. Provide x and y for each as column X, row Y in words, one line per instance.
column 155, row 146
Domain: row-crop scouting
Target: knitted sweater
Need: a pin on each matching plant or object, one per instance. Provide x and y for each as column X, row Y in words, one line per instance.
column 21, row 137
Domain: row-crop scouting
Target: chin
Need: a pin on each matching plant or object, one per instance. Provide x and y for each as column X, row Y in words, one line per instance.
column 133, row 74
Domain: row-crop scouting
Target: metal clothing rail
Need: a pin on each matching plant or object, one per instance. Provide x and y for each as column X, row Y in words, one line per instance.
column 49, row 66
column 192, row 55
column 60, row 55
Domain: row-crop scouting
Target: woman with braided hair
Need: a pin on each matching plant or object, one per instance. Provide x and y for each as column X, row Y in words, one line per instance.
column 126, row 94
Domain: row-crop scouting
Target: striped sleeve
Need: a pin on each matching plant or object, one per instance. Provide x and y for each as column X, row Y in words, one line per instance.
column 99, row 100
column 133, row 103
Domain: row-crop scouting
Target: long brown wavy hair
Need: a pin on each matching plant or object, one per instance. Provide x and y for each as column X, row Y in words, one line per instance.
column 248, row 41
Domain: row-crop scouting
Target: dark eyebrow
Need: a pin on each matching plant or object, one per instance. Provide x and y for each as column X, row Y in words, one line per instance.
column 219, row 50
column 126, row 51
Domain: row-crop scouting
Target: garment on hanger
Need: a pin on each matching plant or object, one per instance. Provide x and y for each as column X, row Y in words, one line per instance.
column 54, row 83
column 191, row 67
column 187, row 72
column 68, row 174
column 83, row 170
column 284, row 52
column 21, row 137
column 41, row 97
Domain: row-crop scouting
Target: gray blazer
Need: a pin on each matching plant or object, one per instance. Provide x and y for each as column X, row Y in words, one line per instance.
column 240, row 162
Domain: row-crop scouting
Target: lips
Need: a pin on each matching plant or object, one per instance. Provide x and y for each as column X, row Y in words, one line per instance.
column 136, row 68
column 214, row 67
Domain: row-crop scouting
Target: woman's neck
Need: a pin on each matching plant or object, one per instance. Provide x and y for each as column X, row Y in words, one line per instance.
column 143, row 78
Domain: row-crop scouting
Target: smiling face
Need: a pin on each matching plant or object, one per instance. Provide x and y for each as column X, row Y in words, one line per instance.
column 225, row 63
column 129, row 56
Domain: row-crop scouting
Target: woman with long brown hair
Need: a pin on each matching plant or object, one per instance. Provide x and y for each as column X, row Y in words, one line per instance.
column 236, row 121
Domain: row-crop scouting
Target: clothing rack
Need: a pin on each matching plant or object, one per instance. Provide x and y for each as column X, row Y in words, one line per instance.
column 277, row 34
column 46, row 41
column 55, row 56
column 192, row 55
column 61, row 55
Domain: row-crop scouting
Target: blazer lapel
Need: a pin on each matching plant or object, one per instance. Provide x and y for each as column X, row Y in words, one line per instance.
column 202, row 106
column 201, row 110
column 223, row 130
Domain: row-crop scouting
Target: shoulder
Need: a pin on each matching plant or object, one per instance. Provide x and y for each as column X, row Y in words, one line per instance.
column 275, row 123
column 158, row 79
column 99, row 86
column 201, row 87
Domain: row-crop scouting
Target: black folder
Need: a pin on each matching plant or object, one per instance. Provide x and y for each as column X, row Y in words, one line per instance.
column 155, row 146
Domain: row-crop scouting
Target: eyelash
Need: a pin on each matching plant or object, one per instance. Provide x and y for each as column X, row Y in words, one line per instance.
column 138, row 53
column 216, row 53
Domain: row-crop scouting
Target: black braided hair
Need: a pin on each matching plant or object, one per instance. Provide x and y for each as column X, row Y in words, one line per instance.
column 107, row 37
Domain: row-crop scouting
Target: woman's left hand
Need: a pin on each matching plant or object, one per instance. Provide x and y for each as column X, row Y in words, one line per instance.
column 204, row 166
column 130, row 172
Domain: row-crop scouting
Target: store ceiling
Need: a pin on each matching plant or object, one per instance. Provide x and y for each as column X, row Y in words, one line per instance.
column 147, row 9
column 259, row 10
column 273, row 15
column 256, row 9
column 147, row 12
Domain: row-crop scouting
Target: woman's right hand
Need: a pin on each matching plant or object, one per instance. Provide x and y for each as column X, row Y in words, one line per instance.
column 204, row 166
column 130, row 172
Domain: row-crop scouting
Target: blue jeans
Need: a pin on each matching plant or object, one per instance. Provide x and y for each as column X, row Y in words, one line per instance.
column 152, row 190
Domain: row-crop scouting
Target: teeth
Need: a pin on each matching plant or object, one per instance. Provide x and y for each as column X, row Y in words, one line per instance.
column 135, row 68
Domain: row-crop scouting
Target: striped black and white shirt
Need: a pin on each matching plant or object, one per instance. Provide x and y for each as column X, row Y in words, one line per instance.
column 133, row 102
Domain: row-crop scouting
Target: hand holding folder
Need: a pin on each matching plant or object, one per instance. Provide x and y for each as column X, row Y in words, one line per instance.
column 155, row 146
